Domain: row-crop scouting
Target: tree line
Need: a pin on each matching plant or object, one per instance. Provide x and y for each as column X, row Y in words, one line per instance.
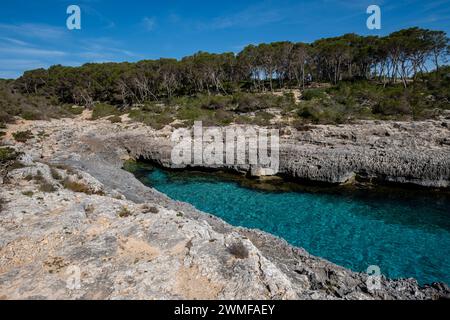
column 398, row 57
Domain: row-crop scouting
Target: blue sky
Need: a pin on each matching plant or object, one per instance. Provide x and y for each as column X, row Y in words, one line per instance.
column 33, row 34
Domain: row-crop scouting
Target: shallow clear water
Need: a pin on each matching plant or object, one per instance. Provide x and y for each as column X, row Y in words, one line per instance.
column 405, row 236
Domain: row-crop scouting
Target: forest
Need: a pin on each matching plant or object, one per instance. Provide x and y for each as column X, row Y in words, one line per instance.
column 391, row 75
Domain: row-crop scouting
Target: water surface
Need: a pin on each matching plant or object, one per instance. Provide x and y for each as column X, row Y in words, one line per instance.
column 406, row 234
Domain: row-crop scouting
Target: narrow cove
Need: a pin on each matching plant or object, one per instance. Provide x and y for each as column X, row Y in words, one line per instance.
column 406, row 233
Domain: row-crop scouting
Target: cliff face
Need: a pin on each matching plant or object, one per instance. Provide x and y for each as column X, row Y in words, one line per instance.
column 98, row 233
column 413, row 153
column 416, row 153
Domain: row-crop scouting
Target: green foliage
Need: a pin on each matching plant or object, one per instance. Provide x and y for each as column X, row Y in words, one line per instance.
column 156, row 121
column 74, row 110
column 79, row 187
column 28, row 106
column 115, row 119
column 46, row 187
column 23, row 136
column 124, row 212
column 102, row 110
column 8, row 154
column 219, row 88
column 311, row 94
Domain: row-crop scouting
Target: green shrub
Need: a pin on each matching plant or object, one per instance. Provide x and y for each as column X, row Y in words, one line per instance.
column 75, row 110
column 393, row 107
column 8, row 154
column 156, row 121
column 115, row 119
column 124, row 212
column 23, row 136
column 300, row 125
column 215, row 102
column 311, row 94
column 31, row 115
column 79, row 187
column 46, row 187
column 102, row 110
column 28, row 193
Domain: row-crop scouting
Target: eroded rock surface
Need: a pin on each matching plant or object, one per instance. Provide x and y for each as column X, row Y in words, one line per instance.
column 100, row 234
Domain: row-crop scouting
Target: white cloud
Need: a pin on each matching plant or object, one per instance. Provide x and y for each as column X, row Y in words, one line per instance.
column 148, row 23
column 33, row 52
column 35, row 31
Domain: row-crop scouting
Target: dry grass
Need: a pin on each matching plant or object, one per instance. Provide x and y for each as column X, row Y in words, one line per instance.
column 124, row 212
column 55, row 174
column 66, row 168
column 46, row 187
column 80, row 187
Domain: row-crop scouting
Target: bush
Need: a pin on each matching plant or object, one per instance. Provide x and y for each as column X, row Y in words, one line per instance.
column 215, row 102
column 393, row 107
column 248, row 103
column 150, row 209
column 55, row 174
column 79, row 187
column 238, row 250
column 102, row 110
column 75, row 110
column 8, row 154
column 23, row 136
column 47, row 187
column 115, row 119
column 28, row 106
column 124, row 212
column 31, row 115
column 300, row 125
column 311, row 94
column 156, row 121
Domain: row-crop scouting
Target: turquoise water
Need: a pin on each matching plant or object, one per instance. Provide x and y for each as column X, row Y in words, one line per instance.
column 405, row 236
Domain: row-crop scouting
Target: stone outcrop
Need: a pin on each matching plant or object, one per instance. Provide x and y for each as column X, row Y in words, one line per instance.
column 118, row 239
column 415, row 153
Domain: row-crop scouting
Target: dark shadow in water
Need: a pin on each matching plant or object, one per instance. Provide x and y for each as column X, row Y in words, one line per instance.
column 436, row 202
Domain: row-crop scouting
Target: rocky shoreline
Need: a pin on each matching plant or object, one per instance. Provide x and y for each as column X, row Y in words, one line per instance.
column 415, row 153
column 127, row 241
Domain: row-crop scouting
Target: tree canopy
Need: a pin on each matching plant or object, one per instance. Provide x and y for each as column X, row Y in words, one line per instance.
column 398, row 57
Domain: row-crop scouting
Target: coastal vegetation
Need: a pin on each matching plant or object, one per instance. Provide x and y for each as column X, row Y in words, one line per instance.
column 334, row 80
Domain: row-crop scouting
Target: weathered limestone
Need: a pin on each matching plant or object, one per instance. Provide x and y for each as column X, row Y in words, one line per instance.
column 414, row 153
column 128, row 241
